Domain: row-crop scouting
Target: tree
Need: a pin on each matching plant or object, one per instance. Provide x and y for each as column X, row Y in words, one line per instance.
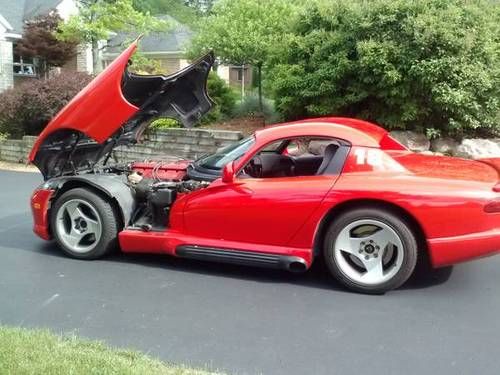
column 96, row 19
column 39, row 41
column 243, row 32
column 201, row 6
column 430, row 65
column 177, row 9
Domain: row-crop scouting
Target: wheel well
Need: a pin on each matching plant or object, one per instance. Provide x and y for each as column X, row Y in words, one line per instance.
column 73, row 184
column 371, row 203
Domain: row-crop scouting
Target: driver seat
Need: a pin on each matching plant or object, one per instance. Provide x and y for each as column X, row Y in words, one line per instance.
column 330, row 151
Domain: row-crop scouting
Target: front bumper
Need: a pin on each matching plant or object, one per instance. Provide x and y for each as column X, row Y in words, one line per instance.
column 451, row 250
column 40, row 204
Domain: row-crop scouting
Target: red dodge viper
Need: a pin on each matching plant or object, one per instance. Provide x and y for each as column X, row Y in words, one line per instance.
column 337, row 188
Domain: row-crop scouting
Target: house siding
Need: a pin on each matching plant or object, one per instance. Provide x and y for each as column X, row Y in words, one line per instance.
column 84, row 59
column 6, row 70
column 233, row 76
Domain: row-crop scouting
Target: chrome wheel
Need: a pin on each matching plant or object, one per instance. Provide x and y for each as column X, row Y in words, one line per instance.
column 78, row 226
column 369, row 252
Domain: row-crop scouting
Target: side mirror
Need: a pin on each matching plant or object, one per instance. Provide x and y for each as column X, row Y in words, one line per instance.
column 228, row 173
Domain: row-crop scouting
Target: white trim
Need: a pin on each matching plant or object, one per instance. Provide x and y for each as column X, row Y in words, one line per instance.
column 12, row 35
column 5, row 23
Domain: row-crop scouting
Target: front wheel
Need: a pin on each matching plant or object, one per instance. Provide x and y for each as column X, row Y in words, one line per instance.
column 84, row 224
column 370, row 250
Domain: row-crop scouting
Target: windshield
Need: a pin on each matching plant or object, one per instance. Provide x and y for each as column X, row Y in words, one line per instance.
column 226, row 155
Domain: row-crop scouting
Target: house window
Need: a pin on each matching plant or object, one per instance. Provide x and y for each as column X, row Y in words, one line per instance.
column 24, row 65
column 240, row 74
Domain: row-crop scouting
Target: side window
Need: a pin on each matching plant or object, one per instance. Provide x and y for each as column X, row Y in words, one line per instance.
column 275, row 146
column 293, row 157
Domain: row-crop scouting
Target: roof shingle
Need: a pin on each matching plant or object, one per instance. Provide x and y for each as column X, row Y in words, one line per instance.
column 17, row 11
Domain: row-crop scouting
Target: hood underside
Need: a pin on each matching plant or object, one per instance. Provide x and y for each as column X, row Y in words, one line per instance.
column 114, row 109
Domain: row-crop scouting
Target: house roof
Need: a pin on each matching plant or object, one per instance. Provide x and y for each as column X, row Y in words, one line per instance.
column 17, row 11
column 171, row 41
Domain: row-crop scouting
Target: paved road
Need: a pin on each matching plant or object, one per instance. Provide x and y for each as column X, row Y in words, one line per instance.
column 244, row 320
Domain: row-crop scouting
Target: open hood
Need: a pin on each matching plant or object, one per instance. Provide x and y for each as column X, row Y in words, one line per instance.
column 114, row 108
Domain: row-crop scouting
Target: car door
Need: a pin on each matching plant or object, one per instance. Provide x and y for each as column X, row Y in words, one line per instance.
column 255, row 210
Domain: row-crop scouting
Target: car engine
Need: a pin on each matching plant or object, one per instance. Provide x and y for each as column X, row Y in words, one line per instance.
column 155, row 196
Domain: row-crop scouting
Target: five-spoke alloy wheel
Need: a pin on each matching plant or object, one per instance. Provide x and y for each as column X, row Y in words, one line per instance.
column 84, row 224
column 370, row 250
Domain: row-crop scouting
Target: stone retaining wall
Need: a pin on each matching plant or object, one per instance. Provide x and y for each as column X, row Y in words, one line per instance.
column 184, row 143
column 192, row 143
column 16, row 150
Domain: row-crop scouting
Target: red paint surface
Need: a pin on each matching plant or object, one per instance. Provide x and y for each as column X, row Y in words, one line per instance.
column 99, row 109
column 165, row 171
column 445, row 196
column 40, row 203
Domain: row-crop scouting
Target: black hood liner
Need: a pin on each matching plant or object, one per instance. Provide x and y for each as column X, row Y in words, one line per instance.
column 181, row 96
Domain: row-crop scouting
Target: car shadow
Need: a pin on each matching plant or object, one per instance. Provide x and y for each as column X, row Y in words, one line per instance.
column 317, row 276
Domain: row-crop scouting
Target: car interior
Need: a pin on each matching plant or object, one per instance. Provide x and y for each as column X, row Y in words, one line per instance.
column 296, row 157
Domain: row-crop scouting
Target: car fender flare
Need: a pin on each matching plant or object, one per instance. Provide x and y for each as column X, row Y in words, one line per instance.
column 113, row 187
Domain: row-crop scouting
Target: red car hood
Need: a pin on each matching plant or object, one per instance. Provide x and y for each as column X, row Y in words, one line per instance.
column 99, row 109
column 114, row 108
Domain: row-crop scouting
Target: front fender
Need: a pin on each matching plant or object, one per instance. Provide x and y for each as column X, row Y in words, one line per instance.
column 113, row 186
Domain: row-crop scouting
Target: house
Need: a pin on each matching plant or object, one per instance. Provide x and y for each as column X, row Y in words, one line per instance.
column 169, row 48
column 13, row 15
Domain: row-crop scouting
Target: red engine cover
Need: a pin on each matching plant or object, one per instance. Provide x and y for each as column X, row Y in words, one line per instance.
column 162, row 170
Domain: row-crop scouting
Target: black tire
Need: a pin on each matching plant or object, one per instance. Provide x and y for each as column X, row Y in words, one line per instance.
column 109, row 223
column 392, row 220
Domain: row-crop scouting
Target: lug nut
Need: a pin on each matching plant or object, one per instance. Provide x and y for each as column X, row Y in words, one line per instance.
column 377, row 247
column 367, row 257
column 375, row 255
column 360, row 251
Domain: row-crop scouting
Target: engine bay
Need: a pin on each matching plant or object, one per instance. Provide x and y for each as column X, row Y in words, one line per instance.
column 156, row 186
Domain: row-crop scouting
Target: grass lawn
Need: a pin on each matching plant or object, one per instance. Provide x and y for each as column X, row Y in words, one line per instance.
column 25, row 351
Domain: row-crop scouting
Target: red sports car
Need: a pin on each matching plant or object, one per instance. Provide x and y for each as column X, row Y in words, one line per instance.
column 337, row 188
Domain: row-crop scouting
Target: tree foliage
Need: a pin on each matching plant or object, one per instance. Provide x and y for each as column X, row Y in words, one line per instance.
column 201, row 6
column 223, row 97
column 175, row 8
column 96, row 19
column 243, row 31
column 429, row 64
column 39, row 41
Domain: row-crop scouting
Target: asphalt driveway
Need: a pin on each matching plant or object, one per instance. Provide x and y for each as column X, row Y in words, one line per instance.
column 243, row 320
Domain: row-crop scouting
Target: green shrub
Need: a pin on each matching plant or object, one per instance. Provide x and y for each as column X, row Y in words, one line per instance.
column 249, row 106
column 223, row 96
column 404, row 64
column 164, row 123
column 26, row 109
column 219, row 92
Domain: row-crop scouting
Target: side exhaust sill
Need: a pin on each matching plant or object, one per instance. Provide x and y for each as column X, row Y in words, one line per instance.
column 245, row 258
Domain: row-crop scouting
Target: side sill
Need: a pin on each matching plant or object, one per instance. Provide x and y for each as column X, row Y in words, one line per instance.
column 246, row 258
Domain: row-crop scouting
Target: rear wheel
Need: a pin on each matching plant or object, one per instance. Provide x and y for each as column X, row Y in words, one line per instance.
column 370, row 250
column 84, row 224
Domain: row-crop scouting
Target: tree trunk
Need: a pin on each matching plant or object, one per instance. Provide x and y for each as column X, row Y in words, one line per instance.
column 242, row 81
column 259, row 83
column 95, row 56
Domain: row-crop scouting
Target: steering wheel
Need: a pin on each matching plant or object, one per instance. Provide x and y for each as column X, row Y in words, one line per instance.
column 254, row 167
